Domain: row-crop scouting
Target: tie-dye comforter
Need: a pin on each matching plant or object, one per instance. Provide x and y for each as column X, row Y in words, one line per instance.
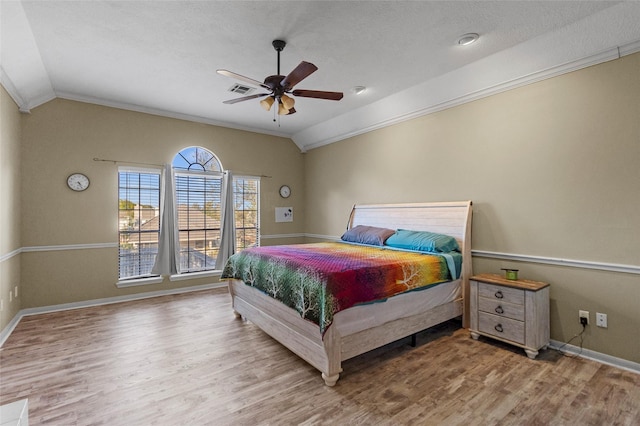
column 319, row 280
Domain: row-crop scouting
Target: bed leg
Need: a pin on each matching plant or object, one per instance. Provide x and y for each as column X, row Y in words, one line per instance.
column 330, row 380
column 414, row 340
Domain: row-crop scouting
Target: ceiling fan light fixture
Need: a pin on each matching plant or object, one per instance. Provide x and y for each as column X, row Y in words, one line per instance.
column 468, row 39
column 282, row 110
column 267, row 102
column 287, row 101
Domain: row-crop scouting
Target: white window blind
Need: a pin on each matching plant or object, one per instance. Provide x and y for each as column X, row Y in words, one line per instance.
column 138, row 221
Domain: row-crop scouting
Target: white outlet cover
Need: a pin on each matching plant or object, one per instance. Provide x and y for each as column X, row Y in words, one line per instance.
column 601, row 320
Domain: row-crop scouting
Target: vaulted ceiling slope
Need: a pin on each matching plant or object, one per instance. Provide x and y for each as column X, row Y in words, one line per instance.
column 162, row 57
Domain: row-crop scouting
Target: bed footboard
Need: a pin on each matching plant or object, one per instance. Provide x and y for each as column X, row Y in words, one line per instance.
column 285, row 325
column 327, row 353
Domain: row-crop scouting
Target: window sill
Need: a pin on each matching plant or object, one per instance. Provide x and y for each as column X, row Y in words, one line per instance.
column 194, row 275
column 134, row 282
column 139, row 281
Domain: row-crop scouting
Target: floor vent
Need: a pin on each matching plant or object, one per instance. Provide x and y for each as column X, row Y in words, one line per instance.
column 243, row 90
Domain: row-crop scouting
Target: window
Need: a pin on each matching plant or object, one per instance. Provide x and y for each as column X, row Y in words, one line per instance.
column 198, row 196
column 138, row 221
column 198, row 201
column 246, row 191
column 196, row 212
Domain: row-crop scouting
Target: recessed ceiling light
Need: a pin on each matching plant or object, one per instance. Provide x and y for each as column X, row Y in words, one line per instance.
column 467, row 39
column 358, row 90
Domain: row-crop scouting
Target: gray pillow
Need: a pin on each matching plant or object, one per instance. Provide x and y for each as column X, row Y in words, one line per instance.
column 367, row 235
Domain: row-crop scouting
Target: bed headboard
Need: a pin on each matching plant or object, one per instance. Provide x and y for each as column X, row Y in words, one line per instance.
column 449, row 218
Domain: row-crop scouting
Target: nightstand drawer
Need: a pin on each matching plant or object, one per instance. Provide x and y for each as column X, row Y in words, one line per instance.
column 504, row 328
column 502, row 293
column 501, row 308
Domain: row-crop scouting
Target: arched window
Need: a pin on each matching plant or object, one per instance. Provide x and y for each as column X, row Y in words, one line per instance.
column 198, row 176
column 196, row 158
column 198, row 203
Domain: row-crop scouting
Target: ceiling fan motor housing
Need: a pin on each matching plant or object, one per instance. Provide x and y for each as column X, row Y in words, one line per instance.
column 274, row 83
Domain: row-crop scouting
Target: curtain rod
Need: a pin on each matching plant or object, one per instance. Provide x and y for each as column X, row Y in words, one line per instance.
column 161, row 165
column 127, row 162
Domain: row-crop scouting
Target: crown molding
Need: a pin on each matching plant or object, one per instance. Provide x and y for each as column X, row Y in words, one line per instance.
column 307, row 143
column 164, row 113
column 11, row 89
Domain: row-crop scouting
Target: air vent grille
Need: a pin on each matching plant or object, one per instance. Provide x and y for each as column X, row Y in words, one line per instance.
column 239, row 88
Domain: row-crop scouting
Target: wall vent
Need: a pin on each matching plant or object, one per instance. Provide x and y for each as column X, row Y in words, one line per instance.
column 239, row 88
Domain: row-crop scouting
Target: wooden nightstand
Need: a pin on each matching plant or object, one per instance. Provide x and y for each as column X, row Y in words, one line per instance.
column 513, row 311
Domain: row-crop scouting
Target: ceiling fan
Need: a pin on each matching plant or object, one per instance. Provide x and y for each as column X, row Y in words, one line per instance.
column 279, row 86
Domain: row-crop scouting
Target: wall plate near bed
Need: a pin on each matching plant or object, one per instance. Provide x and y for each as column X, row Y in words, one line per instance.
column 284, row 214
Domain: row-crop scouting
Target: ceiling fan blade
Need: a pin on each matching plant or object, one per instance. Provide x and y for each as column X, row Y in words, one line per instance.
column 246, row 98
column 302, row 71
column 318, row 94
column 242, row 78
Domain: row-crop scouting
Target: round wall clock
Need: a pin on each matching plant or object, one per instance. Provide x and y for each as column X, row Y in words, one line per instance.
column 285, row 191
column 78, row 181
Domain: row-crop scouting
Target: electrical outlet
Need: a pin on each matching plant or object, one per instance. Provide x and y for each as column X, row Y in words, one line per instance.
column 10, row 296
column 583, row 314
column 601, row 320
column 15, row 292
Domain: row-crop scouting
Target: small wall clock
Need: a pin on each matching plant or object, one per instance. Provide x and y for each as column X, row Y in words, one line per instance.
column 285, row 191
column 78, row 182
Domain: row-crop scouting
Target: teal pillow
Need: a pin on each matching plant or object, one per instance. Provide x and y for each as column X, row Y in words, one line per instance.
column 422, row 241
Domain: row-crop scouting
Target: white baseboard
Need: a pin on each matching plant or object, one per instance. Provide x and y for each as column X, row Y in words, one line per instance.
column 6, row 332
column 596, row 356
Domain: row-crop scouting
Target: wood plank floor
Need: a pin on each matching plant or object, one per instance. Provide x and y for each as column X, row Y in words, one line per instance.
column 185, row 359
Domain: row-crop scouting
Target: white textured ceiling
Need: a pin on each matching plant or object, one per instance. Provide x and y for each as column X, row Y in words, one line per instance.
column 161, row 56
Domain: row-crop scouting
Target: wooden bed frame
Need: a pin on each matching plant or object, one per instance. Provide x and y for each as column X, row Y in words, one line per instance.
column 327, row 353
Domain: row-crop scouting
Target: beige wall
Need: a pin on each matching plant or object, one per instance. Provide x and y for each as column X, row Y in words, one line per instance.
column 9, row 208
column 553, row 169
column 62, row 137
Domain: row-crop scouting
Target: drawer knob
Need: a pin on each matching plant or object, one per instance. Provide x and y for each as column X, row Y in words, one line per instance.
column 499, row 310
column 499, row 328
column 499, row 294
